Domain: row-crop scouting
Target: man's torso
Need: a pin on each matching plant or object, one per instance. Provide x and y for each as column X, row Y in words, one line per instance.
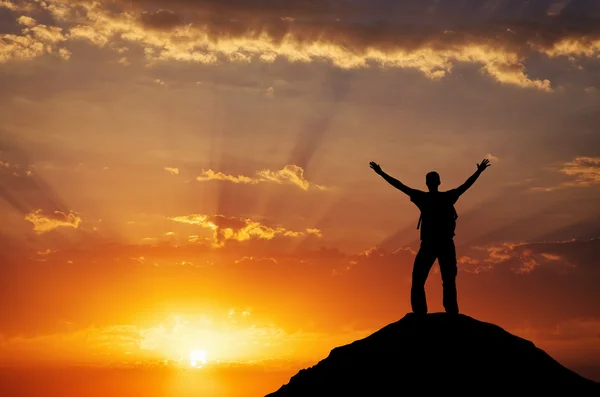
column 438, row 216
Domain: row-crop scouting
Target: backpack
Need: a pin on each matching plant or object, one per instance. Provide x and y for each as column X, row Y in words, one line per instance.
column 454, row 215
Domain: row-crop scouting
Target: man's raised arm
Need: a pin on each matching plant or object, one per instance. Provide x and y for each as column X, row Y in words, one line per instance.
column 469, row 182
column 392, row 181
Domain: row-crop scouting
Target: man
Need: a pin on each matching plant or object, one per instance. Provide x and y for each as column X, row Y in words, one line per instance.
column 437, row 224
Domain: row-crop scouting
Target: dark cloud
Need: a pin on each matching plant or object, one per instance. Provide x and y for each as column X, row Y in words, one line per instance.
column 571, row 257
column 236, row 8
column 452, row 10
column 431, row 37
column 161, row 19
column 375, row 22
column 581, row 254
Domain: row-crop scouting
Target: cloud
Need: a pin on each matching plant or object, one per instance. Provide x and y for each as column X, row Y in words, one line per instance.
column 43, row 223
column 8, row 4
column 328, row 31
column 524, row 258
column 210, row 175
column 45, row 34
column 290, row 174
column 551, row 257
column 492, row 158
column 27, row 21
column 172, row 171
column 46, row 252
column 315, row 232
column 25, row 47
column 251, row 259
column 88, row 33
column 238, row 229
column 472, row 265
column 64, row 53
column 581, row 171
column 584, row 170
column 161, row 19
column 34, row 41
column 373, row 251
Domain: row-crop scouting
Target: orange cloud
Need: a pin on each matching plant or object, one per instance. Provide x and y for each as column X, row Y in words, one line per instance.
column 7, row 4
column 315, row 232
column 27, row 21
column 524, row 257
column 237, row 229
column 472, row 265
column 88, row 33
column 34, row 41
column 492, row 158
column 584, row 170
column 290, row 174
column 373, row 251
column 64, row 53
column 551, row 257
column 499, row 254
column 43, row 223
column 253, row 259
column 573, row 46
column 211, row 175
column 172, row 171
column 46, row 252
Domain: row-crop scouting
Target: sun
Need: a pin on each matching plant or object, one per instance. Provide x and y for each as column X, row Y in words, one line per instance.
column 198, row 358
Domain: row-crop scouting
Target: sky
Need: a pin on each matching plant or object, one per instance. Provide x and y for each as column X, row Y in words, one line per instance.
column 187, row 200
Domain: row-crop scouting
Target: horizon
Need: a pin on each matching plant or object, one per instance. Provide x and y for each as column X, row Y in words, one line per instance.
column 185, row 185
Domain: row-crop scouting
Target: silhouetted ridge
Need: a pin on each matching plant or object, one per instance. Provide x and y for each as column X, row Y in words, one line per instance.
column 437, row 352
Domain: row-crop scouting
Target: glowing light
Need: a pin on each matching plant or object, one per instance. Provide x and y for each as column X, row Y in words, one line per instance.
column 198, row 358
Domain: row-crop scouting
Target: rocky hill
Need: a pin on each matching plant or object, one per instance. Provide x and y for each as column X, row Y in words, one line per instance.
column 437, row 352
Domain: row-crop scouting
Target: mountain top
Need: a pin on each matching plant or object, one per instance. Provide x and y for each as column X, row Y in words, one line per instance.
column 437, row 352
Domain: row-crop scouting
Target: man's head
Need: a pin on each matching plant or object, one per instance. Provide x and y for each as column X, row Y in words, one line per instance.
column 433, row 181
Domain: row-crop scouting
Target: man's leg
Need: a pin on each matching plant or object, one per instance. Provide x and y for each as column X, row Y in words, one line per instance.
column 447, row 261
column 423, row 262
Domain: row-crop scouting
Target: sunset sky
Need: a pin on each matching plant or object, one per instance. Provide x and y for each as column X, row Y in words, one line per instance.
column 182, row 176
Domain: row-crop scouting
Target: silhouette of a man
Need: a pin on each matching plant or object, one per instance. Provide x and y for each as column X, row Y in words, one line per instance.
column 437, row 224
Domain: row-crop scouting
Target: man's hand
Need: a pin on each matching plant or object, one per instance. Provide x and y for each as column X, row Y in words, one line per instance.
column 375, row 167
column 484, row 164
